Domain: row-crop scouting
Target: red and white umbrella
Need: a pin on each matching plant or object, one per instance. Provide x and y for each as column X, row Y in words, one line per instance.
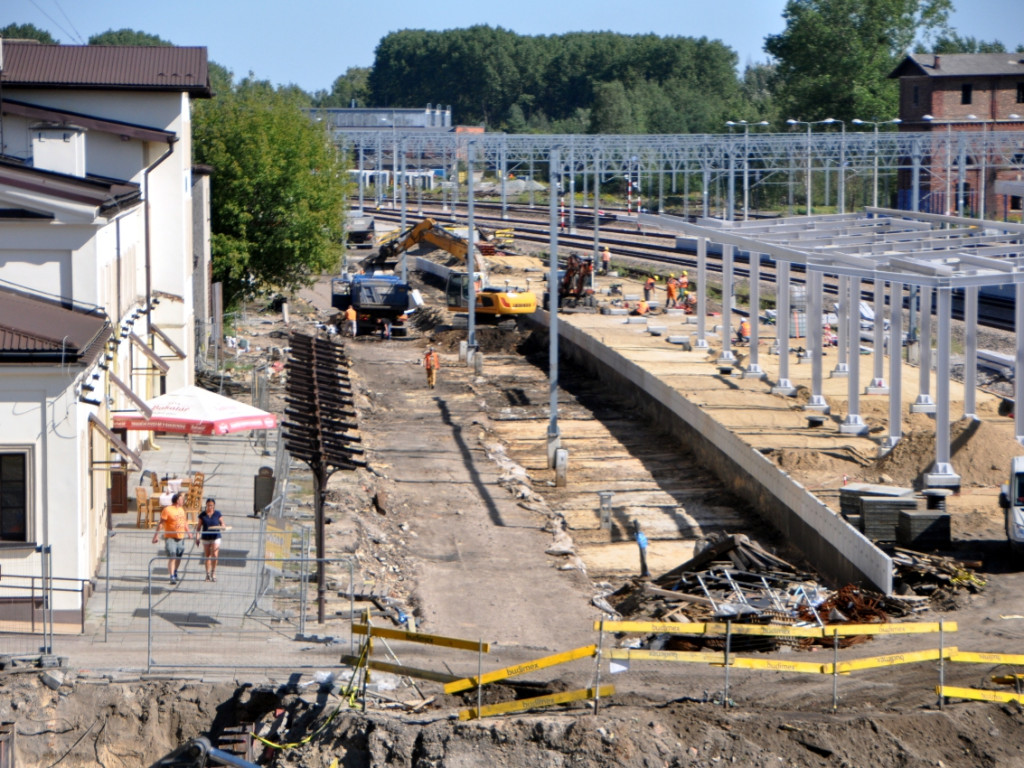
column 195, row 411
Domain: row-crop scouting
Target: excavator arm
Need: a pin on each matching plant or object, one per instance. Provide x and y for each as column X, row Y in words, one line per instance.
column 428, row 231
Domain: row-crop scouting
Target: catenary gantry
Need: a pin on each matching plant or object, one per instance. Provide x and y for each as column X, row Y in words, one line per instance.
column 934, row 168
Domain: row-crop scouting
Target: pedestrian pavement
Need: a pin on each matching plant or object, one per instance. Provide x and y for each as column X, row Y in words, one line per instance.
column 137, row 621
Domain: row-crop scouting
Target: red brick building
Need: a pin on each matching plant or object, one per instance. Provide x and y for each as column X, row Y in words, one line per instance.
column 964, row 93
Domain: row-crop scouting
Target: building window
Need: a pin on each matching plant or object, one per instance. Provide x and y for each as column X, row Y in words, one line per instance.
column 1015, row 202
column 13, row 497
column 1020, row 93
column 966, row 92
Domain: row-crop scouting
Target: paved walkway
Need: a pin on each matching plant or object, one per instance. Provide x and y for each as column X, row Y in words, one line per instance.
column 195, row 623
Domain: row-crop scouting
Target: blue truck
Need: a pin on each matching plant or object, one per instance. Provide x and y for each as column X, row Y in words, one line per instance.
column 377, row 299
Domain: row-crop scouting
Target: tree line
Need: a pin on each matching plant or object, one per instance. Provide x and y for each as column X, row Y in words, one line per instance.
column 278, row 190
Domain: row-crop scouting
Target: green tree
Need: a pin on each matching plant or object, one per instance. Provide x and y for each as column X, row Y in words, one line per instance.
column 954, row 43
column 127, row 37
column 277, row 190
column 351, row 87
column 26, row 32
column 834, row 56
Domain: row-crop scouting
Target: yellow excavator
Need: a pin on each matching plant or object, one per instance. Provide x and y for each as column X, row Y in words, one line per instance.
column 491, row 301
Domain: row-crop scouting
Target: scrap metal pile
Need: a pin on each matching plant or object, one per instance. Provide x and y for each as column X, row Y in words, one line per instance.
column 733, row 578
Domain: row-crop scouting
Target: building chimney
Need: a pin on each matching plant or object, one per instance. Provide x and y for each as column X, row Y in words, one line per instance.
column 938, row 60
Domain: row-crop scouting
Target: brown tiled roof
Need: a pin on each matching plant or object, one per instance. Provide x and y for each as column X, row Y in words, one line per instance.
column 38, row 330
column 961, row 65
column 108, row 67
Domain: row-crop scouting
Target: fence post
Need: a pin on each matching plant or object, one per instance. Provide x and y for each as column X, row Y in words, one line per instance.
column 835, row 669
column 149, row 616
column 106, row 597
column 942, row 662
column 479, row 678
column 597, row 683
column 728, row 661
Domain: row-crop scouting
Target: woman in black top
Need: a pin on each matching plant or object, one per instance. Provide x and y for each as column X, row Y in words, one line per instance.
column 208, row 530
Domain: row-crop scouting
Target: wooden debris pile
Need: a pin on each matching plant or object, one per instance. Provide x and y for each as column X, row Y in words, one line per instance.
column 920, row 578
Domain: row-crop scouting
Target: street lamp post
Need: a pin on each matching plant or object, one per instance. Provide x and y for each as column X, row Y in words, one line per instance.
column 875, row 123
column 809, row 123
column 746, row 161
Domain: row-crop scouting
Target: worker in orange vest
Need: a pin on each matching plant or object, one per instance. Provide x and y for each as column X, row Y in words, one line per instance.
column 671, row 287
column 350, row 320
column 431, row 361
column 743, row 334
column 606, row 260
column 642, row 308
column 649, row 288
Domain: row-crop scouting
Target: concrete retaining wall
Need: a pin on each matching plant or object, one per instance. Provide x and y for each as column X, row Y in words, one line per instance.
column 830, row 544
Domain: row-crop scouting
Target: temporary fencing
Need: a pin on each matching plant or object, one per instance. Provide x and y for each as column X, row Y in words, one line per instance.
column 620, row 659
column 256, row 615
column 28, row 618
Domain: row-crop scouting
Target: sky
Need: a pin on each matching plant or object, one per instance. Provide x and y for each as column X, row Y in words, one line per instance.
column 309, row 43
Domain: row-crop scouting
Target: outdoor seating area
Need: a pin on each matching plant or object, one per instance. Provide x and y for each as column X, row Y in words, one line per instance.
column 150, row 501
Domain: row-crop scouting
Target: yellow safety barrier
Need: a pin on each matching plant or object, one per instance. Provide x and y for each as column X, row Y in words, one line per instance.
column 977, row 694
column 638, row 654
column 536, row 702
column 988, row 658
column 417, row 637
column 398, row 669
column 772, row 630
column 891, row 660
column 465, row 684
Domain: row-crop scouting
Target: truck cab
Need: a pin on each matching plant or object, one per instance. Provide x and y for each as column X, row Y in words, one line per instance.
column 375, row 298
column 1011, row 498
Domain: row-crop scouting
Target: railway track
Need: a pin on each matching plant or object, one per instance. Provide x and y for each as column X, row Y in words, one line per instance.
column 531, row 225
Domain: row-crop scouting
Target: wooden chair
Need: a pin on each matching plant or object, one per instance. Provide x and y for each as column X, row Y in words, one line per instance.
column 193, row 502
column 154, row 479
column 147, row 508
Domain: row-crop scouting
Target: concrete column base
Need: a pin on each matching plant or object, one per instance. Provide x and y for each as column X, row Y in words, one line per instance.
column 888, row 443
column 923, row 404
column 853, row 425
column 554, row 445
column 700, row 344
column 784, row 387
column 942, row 476
column 877, row 387
column 841, row 371
column 818, row 403
column 753, row 372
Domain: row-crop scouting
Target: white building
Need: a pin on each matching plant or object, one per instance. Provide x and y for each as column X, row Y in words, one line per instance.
column 99, row 280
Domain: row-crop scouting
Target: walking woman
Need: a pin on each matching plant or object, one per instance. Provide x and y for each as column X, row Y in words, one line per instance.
column 208, row 531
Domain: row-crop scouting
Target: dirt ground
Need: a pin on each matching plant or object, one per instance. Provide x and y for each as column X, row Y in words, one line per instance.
column 462, row 532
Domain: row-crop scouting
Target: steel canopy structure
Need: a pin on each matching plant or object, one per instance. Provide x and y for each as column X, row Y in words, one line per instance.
column 932, row 165
column 904, row 250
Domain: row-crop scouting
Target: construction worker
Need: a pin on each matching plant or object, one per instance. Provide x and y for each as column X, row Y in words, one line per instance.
column 606, row 260
column 690, row 302
column 684, row 282
column 350, row 320
column 642, row 308
column 671, row 287
column 743, row 334
column 431, row 361
column 649, row 288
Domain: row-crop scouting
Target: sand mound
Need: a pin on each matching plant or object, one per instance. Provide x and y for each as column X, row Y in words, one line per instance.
column 979, row 452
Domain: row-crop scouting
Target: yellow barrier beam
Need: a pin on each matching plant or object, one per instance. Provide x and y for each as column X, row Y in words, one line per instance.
column 417, row 637
column 988, row 658
column 698, row 657
column 772, row 630
column 536, row 702
column 977, row 694
column 781, row 665
column 890, row 660
column 909, row 628
column 669, row 627
column 465, row 684
column 706, row 657
column 397, row 669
